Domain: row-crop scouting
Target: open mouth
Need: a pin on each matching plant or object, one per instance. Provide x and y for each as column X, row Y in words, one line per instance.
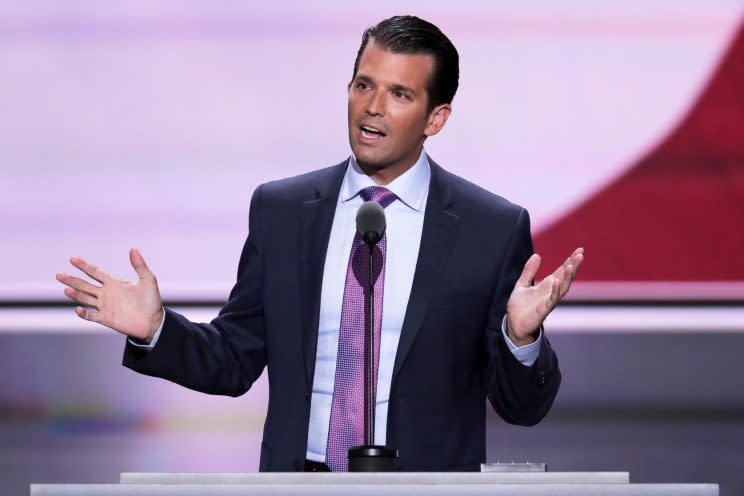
column 370, row 132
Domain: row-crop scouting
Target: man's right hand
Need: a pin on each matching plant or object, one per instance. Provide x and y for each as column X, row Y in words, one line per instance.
column 131, row 308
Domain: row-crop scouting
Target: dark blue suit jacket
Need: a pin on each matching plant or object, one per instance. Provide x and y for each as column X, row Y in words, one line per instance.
column 451, row 355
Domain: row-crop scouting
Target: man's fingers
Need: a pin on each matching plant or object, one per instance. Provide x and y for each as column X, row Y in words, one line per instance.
column 578, row 259
column 567, row 262
column 554, row 295
column 572, row 257
column 568, row 277
column 578, row 254
column 571, row 273
column 87, row 314
column 568, row 272
column 81, row 297
column 90, row 269
column 139, row 265
column 79, row 284
column 571, row 260
column 529, row 271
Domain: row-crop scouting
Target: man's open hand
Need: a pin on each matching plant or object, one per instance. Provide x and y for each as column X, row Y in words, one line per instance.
column 131, row 308
column 528, row 305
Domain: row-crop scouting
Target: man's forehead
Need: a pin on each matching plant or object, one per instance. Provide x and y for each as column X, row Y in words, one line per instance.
column 395, row 68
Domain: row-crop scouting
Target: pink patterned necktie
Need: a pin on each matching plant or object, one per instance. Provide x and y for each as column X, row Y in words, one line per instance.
column 346, row 428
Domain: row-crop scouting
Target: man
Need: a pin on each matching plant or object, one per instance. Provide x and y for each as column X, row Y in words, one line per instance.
column 459, row 323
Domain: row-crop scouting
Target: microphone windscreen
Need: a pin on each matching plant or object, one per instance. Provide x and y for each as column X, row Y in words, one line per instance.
column 370, row 222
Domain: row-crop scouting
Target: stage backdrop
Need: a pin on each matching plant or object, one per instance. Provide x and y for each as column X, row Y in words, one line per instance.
column 619, row 126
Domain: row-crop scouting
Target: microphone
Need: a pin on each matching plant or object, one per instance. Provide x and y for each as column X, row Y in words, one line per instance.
column 370, row 222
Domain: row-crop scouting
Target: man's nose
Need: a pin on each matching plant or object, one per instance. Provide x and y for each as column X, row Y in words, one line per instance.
column 376, row 104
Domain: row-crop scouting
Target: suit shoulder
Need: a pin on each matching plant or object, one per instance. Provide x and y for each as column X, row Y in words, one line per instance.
column 302, row 186
column 474, row 199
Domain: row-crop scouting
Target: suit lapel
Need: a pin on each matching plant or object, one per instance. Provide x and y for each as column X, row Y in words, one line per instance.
column 315, row 230
column 437, row 238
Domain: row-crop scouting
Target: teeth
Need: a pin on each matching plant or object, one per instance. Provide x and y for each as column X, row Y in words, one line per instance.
column 371, row 129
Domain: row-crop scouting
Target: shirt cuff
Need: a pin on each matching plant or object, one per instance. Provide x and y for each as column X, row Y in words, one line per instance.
column 526, row 354
column 154, row 341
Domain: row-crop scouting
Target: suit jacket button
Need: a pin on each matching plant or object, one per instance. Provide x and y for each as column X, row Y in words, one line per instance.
column 540, row 378
column 307, row 397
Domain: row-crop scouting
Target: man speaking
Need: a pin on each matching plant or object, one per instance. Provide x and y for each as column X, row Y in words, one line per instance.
column 457, row 319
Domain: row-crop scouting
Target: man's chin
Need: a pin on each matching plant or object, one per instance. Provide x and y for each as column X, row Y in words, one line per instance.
column 370, row 161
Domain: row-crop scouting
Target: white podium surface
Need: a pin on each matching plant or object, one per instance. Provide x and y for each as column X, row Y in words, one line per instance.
column 452, row 478
column 375, row 489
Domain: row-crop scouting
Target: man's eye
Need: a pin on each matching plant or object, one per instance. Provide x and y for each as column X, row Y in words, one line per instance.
column 362, row 86
column 400, row 94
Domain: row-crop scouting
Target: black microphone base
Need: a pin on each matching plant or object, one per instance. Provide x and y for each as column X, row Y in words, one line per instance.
column 372, row 459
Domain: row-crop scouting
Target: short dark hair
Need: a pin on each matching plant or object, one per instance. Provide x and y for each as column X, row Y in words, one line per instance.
column 412, row 35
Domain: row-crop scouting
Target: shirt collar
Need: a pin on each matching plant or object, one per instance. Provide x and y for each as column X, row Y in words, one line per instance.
column 410, row 187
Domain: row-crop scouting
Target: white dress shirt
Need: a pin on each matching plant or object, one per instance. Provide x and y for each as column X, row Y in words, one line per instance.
column 405, row 221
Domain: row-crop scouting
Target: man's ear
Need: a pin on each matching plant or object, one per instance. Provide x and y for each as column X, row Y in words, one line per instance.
column 437, row 119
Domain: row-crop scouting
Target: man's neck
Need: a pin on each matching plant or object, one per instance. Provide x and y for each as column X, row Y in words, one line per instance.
column 385, row 175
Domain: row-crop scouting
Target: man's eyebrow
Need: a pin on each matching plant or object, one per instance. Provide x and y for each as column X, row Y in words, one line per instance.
column 363, row 78
column 400, row 87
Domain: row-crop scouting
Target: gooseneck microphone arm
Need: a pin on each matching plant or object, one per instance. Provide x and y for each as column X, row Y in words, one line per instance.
column 369, row 437
column 371, row 224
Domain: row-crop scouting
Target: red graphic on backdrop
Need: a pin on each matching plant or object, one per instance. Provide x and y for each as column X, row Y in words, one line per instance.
column 678, row 214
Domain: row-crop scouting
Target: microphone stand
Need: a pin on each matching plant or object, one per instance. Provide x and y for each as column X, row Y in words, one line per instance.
column 370, row 457
column 369, row 435
column 369, row 438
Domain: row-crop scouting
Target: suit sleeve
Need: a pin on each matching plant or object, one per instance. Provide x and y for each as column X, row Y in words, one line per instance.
column 227, row 355
column 520, row 394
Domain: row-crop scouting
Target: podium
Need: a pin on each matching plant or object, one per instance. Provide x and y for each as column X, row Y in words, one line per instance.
column 377, row 484
column 395, row 478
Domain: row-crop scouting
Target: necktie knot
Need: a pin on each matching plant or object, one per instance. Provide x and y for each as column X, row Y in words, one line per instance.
column 381, row 195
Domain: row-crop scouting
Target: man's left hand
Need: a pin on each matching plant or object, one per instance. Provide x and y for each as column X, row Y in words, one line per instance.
column 528, row 305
